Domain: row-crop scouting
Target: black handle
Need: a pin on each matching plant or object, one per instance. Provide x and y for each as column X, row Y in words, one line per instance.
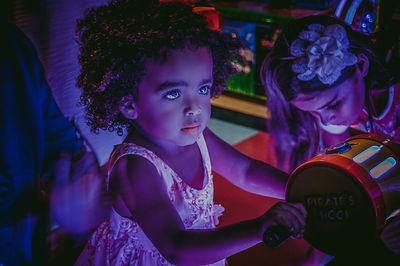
column 274, row 236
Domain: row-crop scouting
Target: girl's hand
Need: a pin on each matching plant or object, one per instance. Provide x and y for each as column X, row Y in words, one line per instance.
column 79, row 201
column 290, row 215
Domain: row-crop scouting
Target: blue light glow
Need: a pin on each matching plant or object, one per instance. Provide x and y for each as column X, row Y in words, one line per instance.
column 382, row 168
column 365, row 155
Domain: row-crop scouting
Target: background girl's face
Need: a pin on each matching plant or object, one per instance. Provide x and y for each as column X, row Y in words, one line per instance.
column 173, row 102
column 339, row 105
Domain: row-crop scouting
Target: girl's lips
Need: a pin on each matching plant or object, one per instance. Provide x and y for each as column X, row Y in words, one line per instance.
column 191, row 129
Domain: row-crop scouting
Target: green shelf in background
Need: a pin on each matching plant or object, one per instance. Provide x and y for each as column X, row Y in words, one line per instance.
column 242, row 84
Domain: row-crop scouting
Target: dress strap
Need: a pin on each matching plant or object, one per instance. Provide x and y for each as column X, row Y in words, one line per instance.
column 201, row 142
column 388, row 105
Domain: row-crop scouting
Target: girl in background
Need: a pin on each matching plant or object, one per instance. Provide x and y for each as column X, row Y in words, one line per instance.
column 324, row 82
column 151, row 68
column 322, row 79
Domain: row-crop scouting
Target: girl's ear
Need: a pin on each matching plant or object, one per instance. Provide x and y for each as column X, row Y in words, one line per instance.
column 363, row 64
column 128, row 107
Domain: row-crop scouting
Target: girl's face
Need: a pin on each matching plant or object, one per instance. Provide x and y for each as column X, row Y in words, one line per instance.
column 173, row 102
column 339, row 105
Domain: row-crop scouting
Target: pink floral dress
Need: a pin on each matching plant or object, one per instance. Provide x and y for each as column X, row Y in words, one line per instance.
column 121, row 241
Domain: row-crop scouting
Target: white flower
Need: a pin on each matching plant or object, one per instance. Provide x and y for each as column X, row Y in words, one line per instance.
column 321, row 52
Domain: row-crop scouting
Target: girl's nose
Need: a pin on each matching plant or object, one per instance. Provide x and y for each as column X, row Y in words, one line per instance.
column 189, row 111
column 192, row 108
column 327, row 119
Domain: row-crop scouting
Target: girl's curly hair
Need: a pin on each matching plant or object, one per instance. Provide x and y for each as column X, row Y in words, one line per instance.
column 115, row 40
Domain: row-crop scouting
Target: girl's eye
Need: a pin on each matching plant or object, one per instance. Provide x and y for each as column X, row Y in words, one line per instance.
column 334, row 106
column 172, row 95
column 204, row 90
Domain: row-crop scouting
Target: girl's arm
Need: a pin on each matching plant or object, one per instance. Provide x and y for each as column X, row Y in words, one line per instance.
column 249, row 174
column 144, row 193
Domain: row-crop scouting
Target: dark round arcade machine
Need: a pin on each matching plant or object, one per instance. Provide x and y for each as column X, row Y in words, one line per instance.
column 349, row 193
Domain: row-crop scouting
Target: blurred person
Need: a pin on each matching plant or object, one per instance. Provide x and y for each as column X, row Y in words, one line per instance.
column 39, row 148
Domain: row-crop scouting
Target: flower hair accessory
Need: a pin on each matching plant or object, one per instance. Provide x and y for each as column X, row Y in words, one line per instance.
column 323, row 52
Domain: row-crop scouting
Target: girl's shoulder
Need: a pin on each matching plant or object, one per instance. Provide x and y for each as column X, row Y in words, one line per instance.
column 385, row 103
column 134, row 171
column 387, row 123
column 130, row 159
column 128, row 148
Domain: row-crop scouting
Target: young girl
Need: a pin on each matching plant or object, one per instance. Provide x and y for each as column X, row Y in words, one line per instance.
column 151, row 68
column 324, row 80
